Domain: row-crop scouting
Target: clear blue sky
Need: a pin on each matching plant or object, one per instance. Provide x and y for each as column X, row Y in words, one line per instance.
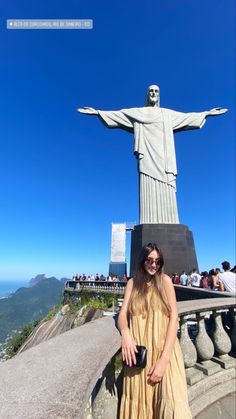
column 64, row 177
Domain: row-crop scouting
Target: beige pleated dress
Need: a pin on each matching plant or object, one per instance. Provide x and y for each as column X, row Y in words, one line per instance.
column 167, row 399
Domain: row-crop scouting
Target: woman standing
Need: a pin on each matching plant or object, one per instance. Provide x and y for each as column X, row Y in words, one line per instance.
column 205, row 282
column 214, row 275
column 159, row 390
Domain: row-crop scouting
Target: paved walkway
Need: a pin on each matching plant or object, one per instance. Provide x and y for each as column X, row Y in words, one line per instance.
column 222, row 409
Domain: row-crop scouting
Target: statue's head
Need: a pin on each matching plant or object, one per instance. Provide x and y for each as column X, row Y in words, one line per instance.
column 153, row 95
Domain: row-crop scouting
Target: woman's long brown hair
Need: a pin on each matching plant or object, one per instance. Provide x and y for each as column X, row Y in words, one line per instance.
column 138, row 300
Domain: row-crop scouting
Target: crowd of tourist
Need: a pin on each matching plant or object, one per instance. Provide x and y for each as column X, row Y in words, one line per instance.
column 214, row 279
column 97, row 277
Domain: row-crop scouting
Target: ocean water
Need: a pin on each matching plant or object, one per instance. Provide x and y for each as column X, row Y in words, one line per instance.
column 7, row 287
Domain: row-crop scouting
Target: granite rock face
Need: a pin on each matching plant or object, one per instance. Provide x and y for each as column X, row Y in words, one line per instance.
column 60, row 323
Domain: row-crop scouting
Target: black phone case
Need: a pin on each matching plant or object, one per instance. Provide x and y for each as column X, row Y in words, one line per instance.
column 141, row 358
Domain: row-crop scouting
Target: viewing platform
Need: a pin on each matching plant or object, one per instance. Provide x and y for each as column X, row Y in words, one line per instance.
column 183, row 293
column 79, row 373
column 105, row 286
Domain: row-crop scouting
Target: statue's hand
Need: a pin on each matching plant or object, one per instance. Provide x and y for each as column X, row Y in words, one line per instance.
column 88, row 110
column 216, row 111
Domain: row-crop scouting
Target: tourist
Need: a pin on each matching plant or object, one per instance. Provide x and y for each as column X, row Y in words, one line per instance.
column 189, row 282
column 227, row 279
column 214, row 275
column 183, row 278
column 159, row 390
column 175, row 279
column 195, row 278
column 124, row 278
column 116, row 280
column 97, row 278
column 204, row 283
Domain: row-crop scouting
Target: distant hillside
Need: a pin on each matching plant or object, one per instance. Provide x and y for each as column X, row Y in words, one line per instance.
column 29, row 304
column 41, row 277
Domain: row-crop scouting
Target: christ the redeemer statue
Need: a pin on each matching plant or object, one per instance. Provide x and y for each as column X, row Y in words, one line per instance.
column 153, row 128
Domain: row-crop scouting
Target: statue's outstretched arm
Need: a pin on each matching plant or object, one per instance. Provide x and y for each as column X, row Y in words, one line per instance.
column 87, row 110
column 216, row 111
column 112, row 119
column 191, row 120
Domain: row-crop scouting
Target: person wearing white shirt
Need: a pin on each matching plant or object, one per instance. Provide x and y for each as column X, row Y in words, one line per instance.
column 227, row 279
column 195, row 278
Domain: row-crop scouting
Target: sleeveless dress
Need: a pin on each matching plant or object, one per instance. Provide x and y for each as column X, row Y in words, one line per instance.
column 167, row 399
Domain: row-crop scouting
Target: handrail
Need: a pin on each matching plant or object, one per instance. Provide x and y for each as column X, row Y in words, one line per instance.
column 79, row 286
column 182, row 292
column 196, row 306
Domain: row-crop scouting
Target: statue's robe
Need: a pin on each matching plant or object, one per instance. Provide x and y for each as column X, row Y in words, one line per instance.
column 154, row 148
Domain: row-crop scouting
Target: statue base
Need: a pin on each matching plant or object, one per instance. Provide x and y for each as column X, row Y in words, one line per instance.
column 118, row 268
column 175, row 241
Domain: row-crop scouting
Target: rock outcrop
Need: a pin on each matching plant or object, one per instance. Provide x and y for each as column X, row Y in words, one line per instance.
column 60, row 323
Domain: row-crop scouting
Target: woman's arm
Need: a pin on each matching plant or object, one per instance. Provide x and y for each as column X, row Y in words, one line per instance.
column 222, row 287
column 128, row 345
column 158, row 369
column 173, row 323
column 215, row 281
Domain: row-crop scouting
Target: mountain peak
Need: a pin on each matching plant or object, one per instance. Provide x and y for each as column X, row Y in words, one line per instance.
column 36, row 279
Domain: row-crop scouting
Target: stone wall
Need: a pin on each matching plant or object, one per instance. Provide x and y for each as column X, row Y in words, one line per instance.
column 56, row 378
column 190, row 293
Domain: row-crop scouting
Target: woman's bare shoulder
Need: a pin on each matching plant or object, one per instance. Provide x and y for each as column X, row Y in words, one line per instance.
column 128, row 292
column 167, row 282
column 130, row 283
column 167, row 278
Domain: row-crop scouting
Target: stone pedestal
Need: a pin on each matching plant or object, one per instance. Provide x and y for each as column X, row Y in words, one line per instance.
column 225, row 361
column 175, row 240
column 118, row 268
column 193, row 375
column 208, row 367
